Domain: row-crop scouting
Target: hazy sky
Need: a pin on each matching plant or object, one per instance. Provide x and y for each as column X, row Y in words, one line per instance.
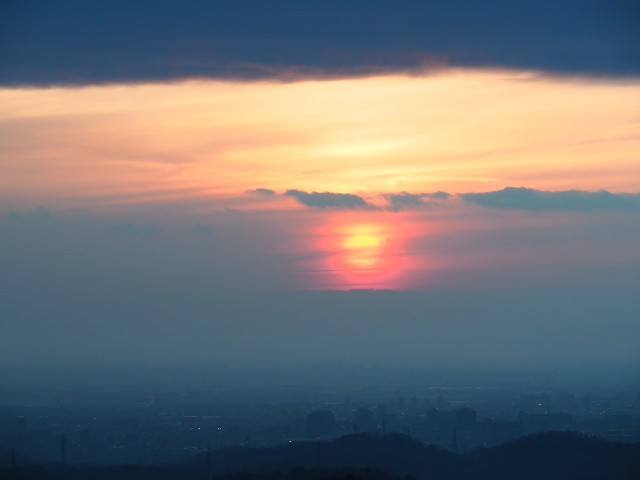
column 176, row 178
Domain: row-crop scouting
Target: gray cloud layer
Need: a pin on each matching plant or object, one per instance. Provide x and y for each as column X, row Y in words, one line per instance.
column 83, row 326
column 131, row 229
column 39, row 213
column 518, row 198
column 404, row 200
column 77, row 42
column 74, row 291
column 328, row 199
column 531, row 199
column 261, row 191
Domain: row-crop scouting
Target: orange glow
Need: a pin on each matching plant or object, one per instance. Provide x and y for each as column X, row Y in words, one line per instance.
column 459, row 131
column 356, row 252
column 237, row 147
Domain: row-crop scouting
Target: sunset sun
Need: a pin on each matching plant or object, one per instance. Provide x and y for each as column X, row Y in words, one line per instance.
column 362, row 250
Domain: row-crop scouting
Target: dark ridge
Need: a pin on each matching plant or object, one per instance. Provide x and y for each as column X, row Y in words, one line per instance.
column 395, row 452
column 8, row 459
column 120, row 472
column 548, row 456
column 558, row 455
column 316, row 474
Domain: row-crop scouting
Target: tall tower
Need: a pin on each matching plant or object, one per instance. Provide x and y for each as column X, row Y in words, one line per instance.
column 62, row 449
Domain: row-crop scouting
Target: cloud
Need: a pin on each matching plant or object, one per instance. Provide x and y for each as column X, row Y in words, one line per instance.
column 38, row 213
column 531, row 199
column 126, row 229
column 328, row 199
column 267, row 192
column 415, row 201
column 202, row 229
column 77, row 42
column 517, row 198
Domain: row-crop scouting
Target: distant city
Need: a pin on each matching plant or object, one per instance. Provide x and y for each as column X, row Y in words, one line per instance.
column 159, row 424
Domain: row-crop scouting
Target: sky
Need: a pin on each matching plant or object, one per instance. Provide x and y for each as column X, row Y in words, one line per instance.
column 249, row 183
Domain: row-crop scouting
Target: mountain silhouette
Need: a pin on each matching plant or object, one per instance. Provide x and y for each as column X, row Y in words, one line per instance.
column 365, row 456
column 396, row 452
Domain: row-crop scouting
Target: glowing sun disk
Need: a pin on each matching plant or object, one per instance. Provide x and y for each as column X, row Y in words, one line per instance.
column 363, row 250
column 361, row 241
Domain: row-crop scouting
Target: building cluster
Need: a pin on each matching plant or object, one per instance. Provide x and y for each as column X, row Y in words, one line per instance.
column 158, row 431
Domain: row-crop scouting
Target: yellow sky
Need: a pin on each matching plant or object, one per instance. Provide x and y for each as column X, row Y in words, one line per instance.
column 459, row 131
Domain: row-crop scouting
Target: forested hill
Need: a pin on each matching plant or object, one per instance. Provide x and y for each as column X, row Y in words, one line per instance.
column 395, row 452
column 548, row 456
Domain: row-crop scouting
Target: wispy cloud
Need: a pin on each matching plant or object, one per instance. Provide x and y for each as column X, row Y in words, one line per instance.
column 202, row 229
column 267, row 192
column 127, row 229
column 38, row 213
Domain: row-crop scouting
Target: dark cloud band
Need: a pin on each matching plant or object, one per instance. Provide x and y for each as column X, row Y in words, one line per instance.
column 128, row 229
column 405, row 200
column 531, row 199
column 76, row 42
column 508, row 198
column 328, row 199
column 265, row 192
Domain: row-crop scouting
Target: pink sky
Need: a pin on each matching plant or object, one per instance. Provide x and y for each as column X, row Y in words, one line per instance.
column 177, row 155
